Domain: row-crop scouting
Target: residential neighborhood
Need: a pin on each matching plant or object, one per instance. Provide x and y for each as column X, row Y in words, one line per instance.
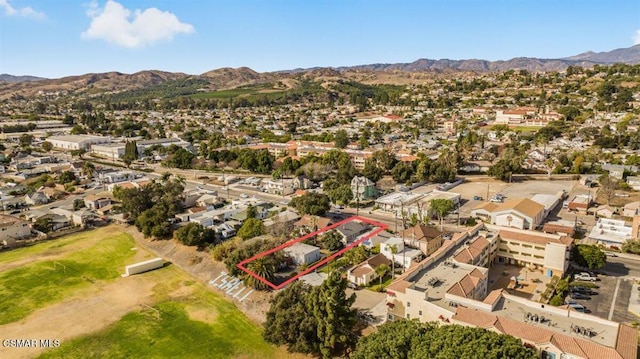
column 326, row 208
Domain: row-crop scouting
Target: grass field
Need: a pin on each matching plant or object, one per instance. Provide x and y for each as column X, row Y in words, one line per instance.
column 35, row 285
column 175, row 333
column 175, row 316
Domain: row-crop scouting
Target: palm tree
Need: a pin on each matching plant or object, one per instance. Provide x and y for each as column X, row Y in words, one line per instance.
column 263, row 267
column 381, row 271
column 394, row 250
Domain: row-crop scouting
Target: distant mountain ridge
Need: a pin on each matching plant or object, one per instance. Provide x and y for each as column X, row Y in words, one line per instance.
column 227, row 78
column 630, row 55
column 13, row 78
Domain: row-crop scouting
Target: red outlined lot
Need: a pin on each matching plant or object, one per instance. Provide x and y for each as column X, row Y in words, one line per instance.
column 380, row 227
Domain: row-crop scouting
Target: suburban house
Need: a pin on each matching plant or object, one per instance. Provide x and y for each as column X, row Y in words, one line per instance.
column 36, row 198
column 224, row 230
column 634, row 182
column 302, row 253
column 617, row 171
column 425, row 238
column 309, row 223
column 12, row 228
column 282, row 187
column 631, row 209
column 350, row 231
column 362, row 188
column 375, row 240
column 521, row 213
column 395, row 250
column 365, row 272
column 94, row 201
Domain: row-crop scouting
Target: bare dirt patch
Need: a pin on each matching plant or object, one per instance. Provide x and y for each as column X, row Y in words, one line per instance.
column 78, row 316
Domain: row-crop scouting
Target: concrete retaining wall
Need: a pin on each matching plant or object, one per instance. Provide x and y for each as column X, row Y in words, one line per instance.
column 145, row 266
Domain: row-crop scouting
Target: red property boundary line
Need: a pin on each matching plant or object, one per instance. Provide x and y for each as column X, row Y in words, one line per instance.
column 241, row 265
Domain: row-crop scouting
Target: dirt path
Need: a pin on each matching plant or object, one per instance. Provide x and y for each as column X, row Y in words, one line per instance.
column 80, row 316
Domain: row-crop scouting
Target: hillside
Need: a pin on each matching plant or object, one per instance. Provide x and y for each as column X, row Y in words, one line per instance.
column 159, row 83
column 12, row 78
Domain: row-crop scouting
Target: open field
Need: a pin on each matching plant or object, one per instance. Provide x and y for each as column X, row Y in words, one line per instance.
column 94, row 312
column 35, row 285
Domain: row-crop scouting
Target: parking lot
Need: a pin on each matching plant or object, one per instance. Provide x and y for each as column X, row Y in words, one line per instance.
column 526, row 189
column 600, row 304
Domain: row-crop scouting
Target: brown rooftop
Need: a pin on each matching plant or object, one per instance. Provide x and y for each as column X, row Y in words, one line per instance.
column 626, row 346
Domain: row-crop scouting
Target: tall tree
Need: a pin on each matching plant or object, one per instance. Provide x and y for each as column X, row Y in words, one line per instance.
column 441, row 207
column 608, row 187
column 589, row 256
column 341, row 139
column 335, row 318
column 381, row 271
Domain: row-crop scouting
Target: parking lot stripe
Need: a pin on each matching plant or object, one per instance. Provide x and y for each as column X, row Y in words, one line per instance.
column 615, row 296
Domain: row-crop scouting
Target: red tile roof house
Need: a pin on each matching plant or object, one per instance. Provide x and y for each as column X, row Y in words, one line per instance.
column 365, row 272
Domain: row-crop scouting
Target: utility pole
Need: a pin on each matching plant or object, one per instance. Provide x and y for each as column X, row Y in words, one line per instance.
column 487, row 198
column 357, row 196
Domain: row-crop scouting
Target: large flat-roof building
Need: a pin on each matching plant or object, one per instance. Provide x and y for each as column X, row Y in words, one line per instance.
column 521, row 213
column 77, row 142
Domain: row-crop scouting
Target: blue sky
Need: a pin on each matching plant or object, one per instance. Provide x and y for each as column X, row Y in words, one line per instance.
column 66, row 37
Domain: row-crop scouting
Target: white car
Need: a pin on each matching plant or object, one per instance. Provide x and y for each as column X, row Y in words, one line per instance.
column 244, row 195
column 585, row 277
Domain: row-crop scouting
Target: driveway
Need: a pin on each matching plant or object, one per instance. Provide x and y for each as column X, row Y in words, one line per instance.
column 372, row 303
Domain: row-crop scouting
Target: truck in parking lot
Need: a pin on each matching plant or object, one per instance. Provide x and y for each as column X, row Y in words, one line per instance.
column 584, row 276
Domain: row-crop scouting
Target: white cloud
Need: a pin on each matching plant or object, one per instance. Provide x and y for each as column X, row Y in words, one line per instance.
column 118, row 25
column 636, row 38
column 26, row 11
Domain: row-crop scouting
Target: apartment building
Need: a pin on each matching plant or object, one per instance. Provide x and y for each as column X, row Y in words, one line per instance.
column 538, row 250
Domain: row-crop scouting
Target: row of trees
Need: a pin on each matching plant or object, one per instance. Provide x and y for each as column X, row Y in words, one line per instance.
column 151, row 207
column 409, row 339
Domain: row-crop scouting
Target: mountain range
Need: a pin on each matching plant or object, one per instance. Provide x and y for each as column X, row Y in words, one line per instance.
column 226, row 78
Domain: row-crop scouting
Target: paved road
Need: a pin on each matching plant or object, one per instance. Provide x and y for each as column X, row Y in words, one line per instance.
column 619, row 266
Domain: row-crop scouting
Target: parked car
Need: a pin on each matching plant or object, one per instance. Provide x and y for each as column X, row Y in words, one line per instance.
column 610, row 254
column 583, row 290
column 477, row 198
column 577, row 307
column 585, row 277
column 495, row 199
column 244, row 195
column 578, row 295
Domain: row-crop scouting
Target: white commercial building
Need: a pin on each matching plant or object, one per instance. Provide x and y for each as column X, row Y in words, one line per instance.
column 77, row 142
column 611, row 232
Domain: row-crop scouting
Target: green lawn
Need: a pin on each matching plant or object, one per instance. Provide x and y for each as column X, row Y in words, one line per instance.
column 175, row 335
column 36, row 285
column 53, row 246
column 375, row 285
